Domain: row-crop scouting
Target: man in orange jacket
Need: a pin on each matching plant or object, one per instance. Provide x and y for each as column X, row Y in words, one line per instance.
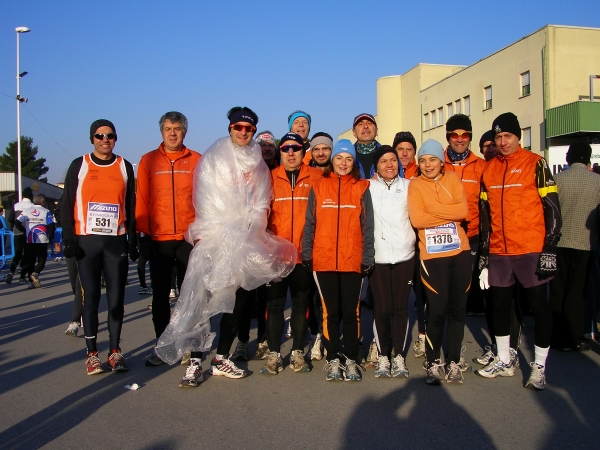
column 164, row 210
column 520, row 228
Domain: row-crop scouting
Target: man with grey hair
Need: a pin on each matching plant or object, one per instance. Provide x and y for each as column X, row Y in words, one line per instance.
column 39, row 231
column 164, row 210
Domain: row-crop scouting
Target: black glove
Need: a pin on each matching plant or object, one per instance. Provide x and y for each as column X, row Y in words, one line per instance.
column 484, row 261
column 365, row 270
column 146, row 248
column 308, row 265
column 547, row 263
column 71, row 249
column 133, row 251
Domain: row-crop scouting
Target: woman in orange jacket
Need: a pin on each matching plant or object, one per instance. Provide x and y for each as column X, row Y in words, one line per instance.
column 437, row 204
column 338, row 244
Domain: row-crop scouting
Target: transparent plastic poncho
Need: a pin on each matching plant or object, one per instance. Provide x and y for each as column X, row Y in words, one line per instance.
column 232, row 196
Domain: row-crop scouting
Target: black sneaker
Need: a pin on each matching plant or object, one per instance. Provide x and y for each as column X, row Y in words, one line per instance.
column 9, row 278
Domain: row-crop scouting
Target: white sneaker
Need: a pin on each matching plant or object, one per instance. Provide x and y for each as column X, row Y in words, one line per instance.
column 316, row 352
column 399, row 367
column 225, row 367
column 193, row 375
column 73, row 329
column 373, row 354
column 419, row 347
column 496, row 368
column 537, row 379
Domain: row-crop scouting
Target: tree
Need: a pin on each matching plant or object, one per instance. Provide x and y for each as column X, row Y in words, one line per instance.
column 31, row 165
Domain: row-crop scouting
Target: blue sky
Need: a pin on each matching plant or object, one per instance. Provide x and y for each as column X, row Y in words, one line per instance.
column 131, row 61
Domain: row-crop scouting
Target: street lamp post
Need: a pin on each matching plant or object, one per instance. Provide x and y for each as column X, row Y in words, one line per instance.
column 19, row 30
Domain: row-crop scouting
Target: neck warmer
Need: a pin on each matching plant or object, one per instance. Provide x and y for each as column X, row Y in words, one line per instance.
column 365, row 149
column 453, row 156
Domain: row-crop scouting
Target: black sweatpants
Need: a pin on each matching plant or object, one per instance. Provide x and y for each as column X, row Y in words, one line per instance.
column 19, row 241
column 537, row 299
column 391, row 288
column 340, row 296
column 298, row 281
column 167, row 254
column 76, row 288
column 33, row 252
column 141, row 271
column 446, row 283
column 516, row 317
column 419, row 295
column 230, row 322
column 103, row 255
column 567, row 302
column 258, row 298
column 475, row 302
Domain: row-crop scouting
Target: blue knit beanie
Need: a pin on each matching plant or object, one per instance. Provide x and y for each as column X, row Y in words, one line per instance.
column 293, row 116
column 431, row 147
column 343, row 146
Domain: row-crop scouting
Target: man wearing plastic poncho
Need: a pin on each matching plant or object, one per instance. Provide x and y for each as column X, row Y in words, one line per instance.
column 233, row 253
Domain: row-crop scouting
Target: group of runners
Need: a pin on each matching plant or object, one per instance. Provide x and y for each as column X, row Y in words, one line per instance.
column 254, row 220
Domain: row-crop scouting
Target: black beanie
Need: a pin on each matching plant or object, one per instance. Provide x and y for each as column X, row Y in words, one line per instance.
column 507, row 123
column 459, row 122
column 380, row 151
column 101, row 123
column 579, row 152
column 404, row 136
column 291, row 137
column 487, row 136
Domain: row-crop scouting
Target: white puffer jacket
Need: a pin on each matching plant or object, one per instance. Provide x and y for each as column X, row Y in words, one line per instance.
column 394, row 235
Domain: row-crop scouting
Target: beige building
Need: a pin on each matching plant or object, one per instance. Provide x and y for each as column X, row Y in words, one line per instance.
column 544, row 79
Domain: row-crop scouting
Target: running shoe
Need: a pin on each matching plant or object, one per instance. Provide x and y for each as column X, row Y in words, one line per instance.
column 93, row 364
column 9, row 277
column 262, row 350
column 22, row 279
column 419, row 346
column 496, row 368
column 454, row 373
column 537, row 379
column 172, row 294
column 316, row 352
column 153, row 360
column 35, row 280
column 334, row 370
column 297, row 362
column 116, row 361
column 434, row 373
column 73, row 329
column 352, row 372
column 149, row 291
column 382, row 369
column 399, row 368
column 514, row 358
column 193, row 374
column 241, row 352
column 225, row 367
column 487, row 355
column 373, row 356
column 274, row 364
column 142, row 290
column 462, row 364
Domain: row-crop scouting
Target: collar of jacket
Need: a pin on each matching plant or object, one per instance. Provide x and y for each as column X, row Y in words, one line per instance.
column 512, row 156
column 468, row 160
column 279, row 171
column 385, row 183
column 184, row 151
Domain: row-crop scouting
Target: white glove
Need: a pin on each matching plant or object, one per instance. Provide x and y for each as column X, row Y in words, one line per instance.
column 483, row 279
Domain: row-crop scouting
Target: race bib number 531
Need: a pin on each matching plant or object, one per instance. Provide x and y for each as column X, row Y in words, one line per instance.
column 102, row 218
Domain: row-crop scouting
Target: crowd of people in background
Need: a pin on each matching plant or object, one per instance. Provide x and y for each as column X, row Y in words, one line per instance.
column 313, row 221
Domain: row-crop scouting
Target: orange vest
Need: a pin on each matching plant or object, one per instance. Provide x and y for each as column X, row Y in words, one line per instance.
column 164, row 208
column 288, row 208
column 338, row 243
column 411, row 170
column 100, row 197
column 469, row 171
column 516, row 211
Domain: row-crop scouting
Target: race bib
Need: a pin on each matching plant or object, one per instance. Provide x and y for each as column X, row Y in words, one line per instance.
column 443, row 238
column 102, row 218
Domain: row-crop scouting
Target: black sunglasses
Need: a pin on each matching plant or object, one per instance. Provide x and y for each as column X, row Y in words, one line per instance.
column 109, row 136
column 287, row 148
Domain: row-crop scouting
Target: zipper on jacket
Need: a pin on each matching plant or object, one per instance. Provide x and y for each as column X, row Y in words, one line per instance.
column 337, row 237
column 502, row 205
column 173, row 194
column 292, row 184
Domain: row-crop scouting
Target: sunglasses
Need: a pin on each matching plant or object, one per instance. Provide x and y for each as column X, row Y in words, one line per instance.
column 109, row 136
column 455, row 135
column 287, row 148
column 247, row 128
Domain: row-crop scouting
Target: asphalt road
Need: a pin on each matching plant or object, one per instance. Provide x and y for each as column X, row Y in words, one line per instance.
column 48, row 401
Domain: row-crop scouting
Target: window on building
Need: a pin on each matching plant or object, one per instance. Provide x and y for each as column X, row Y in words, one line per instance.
column 441, row 120
column 426, row 117
column 527, row 138
column 467, row 101
column 450, row 107
column 488, row 97
column 525, row 86
column 457, row 106
column 433, row 119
